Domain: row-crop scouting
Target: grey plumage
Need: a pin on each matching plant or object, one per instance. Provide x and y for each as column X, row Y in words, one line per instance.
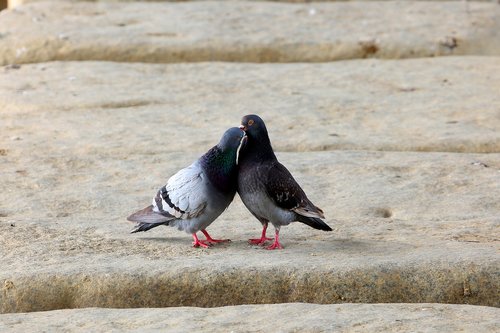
column 268, row 189
column 196, row 195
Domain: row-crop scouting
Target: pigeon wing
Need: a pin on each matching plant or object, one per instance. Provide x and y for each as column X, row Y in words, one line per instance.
column 286, row 193
column 184, row 196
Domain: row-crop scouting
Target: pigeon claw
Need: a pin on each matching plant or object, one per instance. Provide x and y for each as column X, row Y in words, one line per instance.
column 259, row 241
column 209, row 239
column 200, row 243
column 274, row 246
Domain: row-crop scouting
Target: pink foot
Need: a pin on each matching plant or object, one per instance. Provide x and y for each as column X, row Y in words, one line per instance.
column 259, row 241
column 211, row 240
column 276, row 244
column 262, row 239
column 199, row 243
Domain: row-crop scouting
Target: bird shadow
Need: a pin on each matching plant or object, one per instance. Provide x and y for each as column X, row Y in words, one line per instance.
column 181, row 241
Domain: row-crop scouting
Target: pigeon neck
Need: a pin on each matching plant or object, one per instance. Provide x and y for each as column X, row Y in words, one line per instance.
column 220, row 168
column 261, row 148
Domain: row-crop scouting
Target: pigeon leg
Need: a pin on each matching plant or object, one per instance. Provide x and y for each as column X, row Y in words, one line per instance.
column 262, row 239
column 199, row 243
column 276, row 244
column 211, row 240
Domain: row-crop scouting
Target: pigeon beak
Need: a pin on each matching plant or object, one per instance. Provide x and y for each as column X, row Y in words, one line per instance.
column 242, row 127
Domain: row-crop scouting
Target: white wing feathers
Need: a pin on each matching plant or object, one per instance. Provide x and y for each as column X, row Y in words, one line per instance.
column 184, row 196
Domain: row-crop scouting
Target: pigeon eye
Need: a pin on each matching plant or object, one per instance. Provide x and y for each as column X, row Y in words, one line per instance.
column 250, row 122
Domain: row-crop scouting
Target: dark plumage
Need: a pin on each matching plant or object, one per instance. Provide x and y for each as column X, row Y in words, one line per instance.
column 268, row 189
column 195, row 196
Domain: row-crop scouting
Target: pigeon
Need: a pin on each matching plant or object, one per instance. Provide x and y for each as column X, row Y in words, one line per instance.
column 196, row 195
column 268, row 189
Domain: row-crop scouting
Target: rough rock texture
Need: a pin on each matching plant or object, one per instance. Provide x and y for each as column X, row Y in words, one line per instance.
column 13, row 3
column 265, row 318
column 436, row 104
column 83, row 144
column 81, row 150
column 246, row 31
column 408, row 227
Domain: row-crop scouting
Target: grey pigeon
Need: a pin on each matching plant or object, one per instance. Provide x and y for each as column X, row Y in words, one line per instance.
column 195, row 196
column 268, row 189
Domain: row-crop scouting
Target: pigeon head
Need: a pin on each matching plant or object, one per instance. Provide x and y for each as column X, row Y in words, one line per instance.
column 258, row 144
column 232, row 141
column 254, row 126
column 220, row 162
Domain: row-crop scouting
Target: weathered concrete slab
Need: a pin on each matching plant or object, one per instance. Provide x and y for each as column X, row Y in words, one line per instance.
column 436, row 104
column 85, row 144
column 277, row 318
column 408, row 227
column 246, row 31
column 14, row 3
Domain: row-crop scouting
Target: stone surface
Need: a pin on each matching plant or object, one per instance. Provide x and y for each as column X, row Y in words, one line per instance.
column 270, row 318
column 408, row 227
column 14, row 3
column 85, row 144
column 246, row 31
column 436, row 104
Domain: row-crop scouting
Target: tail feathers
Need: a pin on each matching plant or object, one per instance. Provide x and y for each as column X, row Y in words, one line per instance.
column 148, row 219
column 146, row 226
column 314, row 222
column 309, row 211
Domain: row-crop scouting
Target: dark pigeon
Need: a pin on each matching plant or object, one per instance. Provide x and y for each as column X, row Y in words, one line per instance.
column 195, row 196
column 268, row 189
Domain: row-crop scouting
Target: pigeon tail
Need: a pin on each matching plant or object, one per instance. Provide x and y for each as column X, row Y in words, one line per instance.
column 147, row 219
column 146, row 226
column 314, row 222
column 309, row 211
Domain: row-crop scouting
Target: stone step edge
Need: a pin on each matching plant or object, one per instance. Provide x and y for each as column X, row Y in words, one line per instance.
column 436, row 283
